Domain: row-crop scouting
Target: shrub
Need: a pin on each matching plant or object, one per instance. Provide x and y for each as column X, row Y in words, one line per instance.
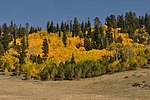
column 89, row 68
column 49, row 72
column 69, row 70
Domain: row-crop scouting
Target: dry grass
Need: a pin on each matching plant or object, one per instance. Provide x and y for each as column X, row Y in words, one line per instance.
column 116, row 86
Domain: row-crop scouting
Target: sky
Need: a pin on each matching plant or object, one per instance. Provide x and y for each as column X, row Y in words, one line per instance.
column 38, row 12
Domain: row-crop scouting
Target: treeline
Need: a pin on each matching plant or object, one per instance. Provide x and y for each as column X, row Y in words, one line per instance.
column 108, row 36
column 128, row 23
column 94, row 36
column 12, row 32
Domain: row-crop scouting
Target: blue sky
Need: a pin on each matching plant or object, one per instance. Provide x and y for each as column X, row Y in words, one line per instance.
column 38, row 12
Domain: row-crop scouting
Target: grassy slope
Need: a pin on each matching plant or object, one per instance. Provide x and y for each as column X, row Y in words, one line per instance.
column 116, row 86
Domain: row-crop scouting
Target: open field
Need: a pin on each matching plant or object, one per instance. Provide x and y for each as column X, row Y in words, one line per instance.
column 129, row 85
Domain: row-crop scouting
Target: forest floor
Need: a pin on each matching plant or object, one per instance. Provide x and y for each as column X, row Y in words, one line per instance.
column 128, row 85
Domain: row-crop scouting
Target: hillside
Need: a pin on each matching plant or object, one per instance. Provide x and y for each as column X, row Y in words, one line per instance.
column 74, row 50
column 118, row 86
column 96, row 62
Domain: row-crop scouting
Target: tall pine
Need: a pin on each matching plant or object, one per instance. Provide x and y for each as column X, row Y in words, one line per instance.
column 45, row 49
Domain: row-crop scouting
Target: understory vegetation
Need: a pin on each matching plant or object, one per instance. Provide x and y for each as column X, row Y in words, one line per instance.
column 74, row 50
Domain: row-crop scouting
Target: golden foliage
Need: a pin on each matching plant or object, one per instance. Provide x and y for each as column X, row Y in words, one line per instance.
column 10, row 59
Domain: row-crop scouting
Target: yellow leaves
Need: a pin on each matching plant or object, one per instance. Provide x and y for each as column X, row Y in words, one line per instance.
column 31, row 68
column 6, row 70
column 10, row 59
column 114, row 64
column 58, row 53
column 126, row 40
column 105, row 27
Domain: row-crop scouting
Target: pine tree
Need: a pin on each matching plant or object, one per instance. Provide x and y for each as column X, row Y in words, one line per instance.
column 39, row 59
column 76, row 27
column 51, row 28
column 87, row 44
column 59, row 33
column 48, row 27
column 64, row 39
column 102, row 38
column 22, row 51
column 89, row 23
column 63, row 28
column 67, row 26
column 71, row 26
column 97, row 34
column 131, row 22
column 2, row 50
column 89, row 34
column 11, row 27
column 31, row 30
column 45, row 49
column 111, row 21
column 86, row 28
column 15, row 35
column 109, row 37
column 57, row 28
column 27, row 35
column 120, row 23
column 6, row 37
column 147, row 22
column 82, row 27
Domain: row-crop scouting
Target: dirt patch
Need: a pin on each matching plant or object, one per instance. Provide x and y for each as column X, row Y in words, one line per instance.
column 129, row 85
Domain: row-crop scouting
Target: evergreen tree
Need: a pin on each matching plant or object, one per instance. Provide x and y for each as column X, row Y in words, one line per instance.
column 120, row 23
column 141, row 21
column 51, row 28
column 87, row 44
column 82, row 27
column 6, row 37
column 27, row 35
column 147, row 22
column 71, row 26
column 64, row 39
column 109, row 37
column 48, row 27
column 2, row 50
column 89, row 23
column 31, row 30
column 15, row 35
column 102, row 38
column 131, row 22
column 76, row 27
column 59, row 33
column 57, row 28
column 97, row 34
column 111, row 21
column 86, row 28
column 11, row 27
column 63, row 28
column 89, row 34
column 22, row 51
column 39, row 59
column 67, row 26
column 45, row 49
